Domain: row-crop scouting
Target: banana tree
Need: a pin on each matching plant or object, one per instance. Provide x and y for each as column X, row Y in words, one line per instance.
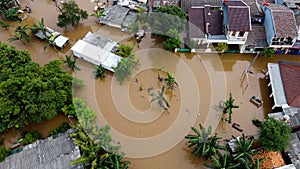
column 71, row 63
column 20, row 34
column 204, row 143
column 222, row 162
column 228, row 106
column 100, row 72
column 244, row 151
column 162, row 101
column 170, row 80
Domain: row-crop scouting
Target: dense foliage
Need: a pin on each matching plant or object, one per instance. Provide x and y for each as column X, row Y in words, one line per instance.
column 100, row 72
column 30, row 137
column 173, row 41
column 97, row 151
column 274, row 135
column 166, row 18
column 64, row 126
column 29, row 93
column 20, row 34
column 12, row 14
column 204, row 143
column 4, row 152
column 71, row 14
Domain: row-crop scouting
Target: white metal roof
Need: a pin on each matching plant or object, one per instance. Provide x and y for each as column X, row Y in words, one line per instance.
column 106, row 58
column 276, row 84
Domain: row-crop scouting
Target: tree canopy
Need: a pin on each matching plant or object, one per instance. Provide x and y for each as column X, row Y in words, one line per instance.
column 166, row 18
column 28, row 92
column 71, row 14
column 274, row 135
column 173, row 41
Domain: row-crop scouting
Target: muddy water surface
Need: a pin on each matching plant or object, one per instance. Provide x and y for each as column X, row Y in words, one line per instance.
column 178, row 156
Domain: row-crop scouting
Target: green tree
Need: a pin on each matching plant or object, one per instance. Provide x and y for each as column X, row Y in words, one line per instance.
column 133, row 28
column 64, row 126
column 125, row 50
column 274, row 135
column 166, row 18
column 100, row 72
column 71, row 14
column 30, row 137
column 99, row 13
column 228, row 106
column 12, row 14
column 39, row 27
column 222, row 46
column 125, row 66
column 173, row 40
column 222, row 162
column 4, row 152
column 71, row 63
column 269, row 52
column 162, row 101
column 20, row 34
column 203, row 142
column 29, row 93
column 170, row 80
column 244, row 151
column 4, row 24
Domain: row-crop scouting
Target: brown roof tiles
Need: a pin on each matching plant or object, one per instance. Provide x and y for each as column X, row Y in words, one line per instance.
column 290, row 75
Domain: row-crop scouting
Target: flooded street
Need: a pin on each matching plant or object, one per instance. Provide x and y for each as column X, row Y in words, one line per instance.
column 151, row 137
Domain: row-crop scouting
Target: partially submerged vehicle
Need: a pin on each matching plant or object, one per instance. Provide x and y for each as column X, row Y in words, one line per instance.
column 50, row 35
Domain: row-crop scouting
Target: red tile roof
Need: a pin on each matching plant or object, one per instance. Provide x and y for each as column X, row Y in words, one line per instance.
column 290, row 75
column 196, row 23
column 284, row 21
column 238, row 16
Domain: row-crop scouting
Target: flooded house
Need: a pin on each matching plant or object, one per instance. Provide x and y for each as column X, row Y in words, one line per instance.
column 97, row 50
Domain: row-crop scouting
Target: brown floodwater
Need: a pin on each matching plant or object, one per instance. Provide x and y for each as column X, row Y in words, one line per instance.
column 153, row 138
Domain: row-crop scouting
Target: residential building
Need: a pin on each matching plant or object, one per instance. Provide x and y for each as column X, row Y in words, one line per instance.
column 97, row 50
column 237, row 21
column 187, row 4
column 280, row 25
column 45, row 154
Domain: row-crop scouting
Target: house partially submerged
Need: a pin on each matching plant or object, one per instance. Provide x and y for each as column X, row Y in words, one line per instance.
column 118, row 16
column 280, row 24
column 285, row 84
column 45, row 154
column 97, row 50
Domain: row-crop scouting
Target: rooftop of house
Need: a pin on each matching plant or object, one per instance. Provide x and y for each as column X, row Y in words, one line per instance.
column 238, row 16
column 284, row 21
column 290, row 75
column 253, row 7
column 196, row 23
column 257, row 36
column 294, row 150
column 100, row 41
column 45, row 154
column 187, row 4
column 114, row 16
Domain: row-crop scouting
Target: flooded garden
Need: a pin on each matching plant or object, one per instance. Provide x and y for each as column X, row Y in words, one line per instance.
column 151, row 132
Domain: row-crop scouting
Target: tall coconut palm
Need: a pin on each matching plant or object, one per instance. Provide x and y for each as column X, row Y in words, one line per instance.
column 222, row 162
column 244, row 151
column 203, row 142
column 162, row 101
column 71, row 63
column 229, row 106
column 125, row 50
column 100, row 72
column 20, row 34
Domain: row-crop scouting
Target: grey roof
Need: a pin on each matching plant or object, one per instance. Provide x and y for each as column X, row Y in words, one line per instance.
column 45, row 154
column 99, row 41
column 186, row 4
column 114, row 16
column 294, row 150
column 130, row 18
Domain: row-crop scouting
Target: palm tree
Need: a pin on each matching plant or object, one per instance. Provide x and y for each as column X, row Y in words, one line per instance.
column 71, row 63
column 162, row 101
column 125, row 50
column 170, row 81
column 100, row 72
column 222, row 162
column 40, row 27
column 99, row 13
column 20, row 34
column 244, row 151
column 229, row 106
column 204, row 144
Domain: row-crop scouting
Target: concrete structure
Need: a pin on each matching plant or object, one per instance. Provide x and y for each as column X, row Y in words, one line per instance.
column 59, row 40
column 97, row 50
column 280, row 25
column 45, row 154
